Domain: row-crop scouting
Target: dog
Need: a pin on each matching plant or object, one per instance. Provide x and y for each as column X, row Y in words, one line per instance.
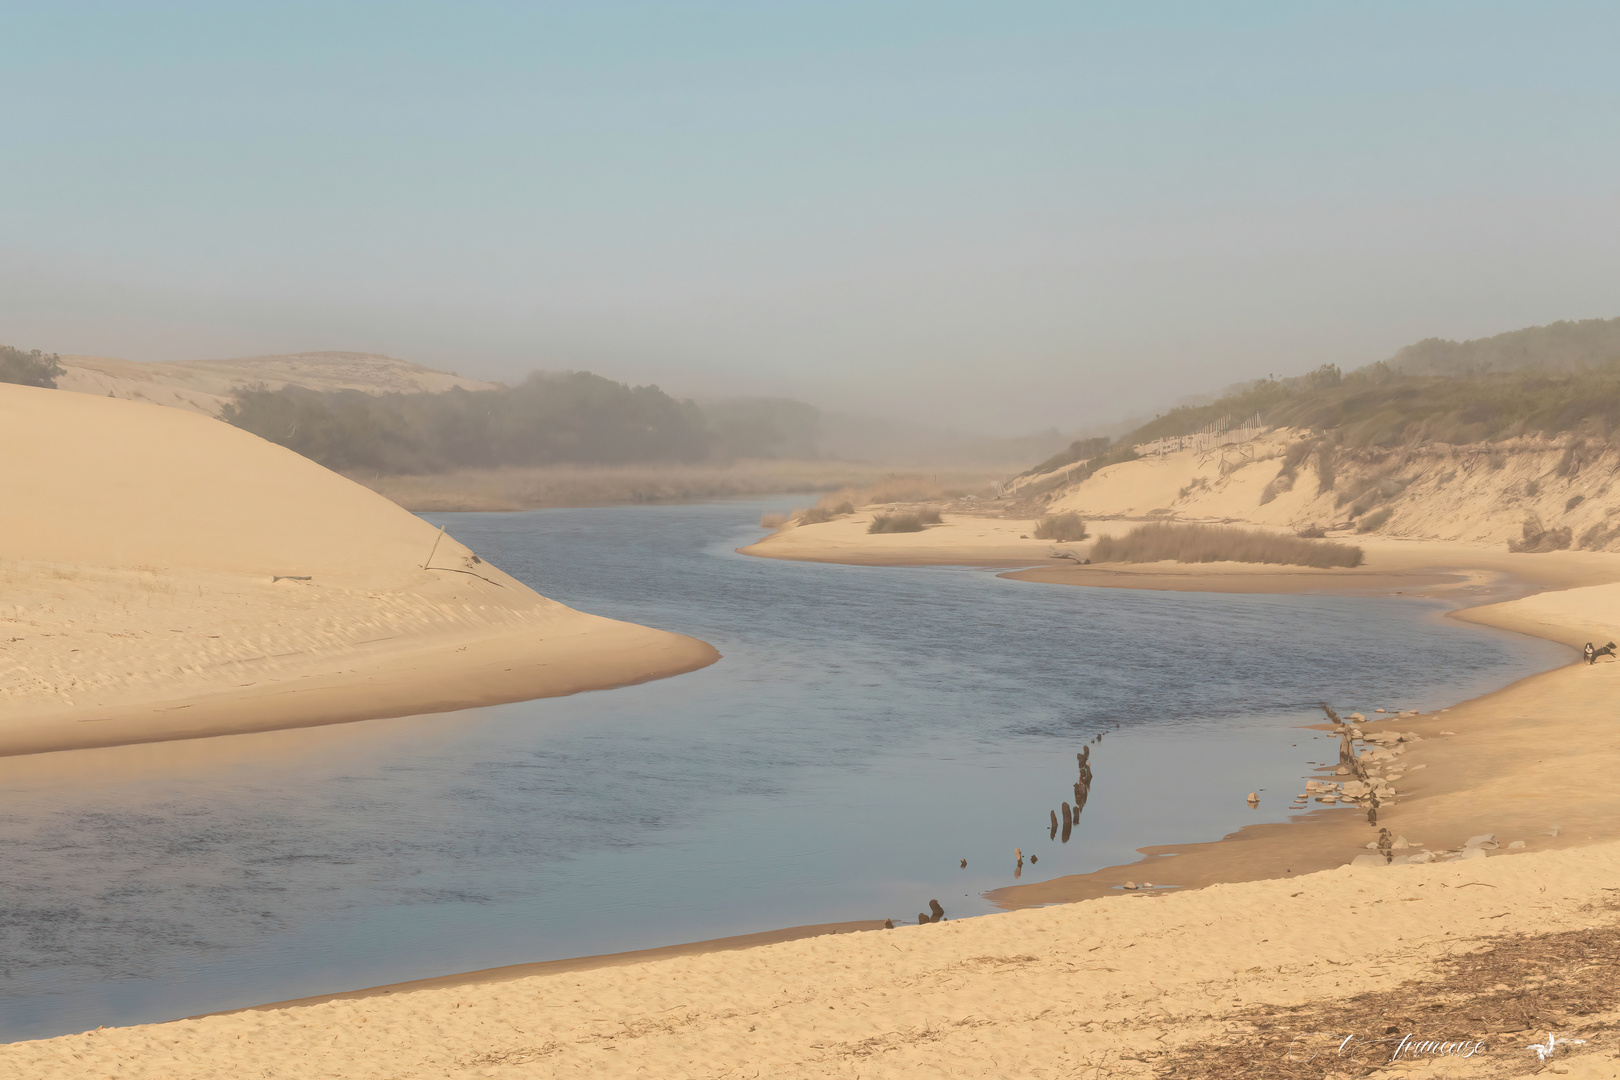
column 1592, row 654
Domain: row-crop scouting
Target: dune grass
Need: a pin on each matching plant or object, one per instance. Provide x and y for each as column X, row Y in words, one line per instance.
column 1163, row 541
column 1061, row 527
column 903, row 523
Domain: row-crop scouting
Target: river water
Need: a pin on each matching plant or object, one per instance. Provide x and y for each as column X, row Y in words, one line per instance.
column 867, row 729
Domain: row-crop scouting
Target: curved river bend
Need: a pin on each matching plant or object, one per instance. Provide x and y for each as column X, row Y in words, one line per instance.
column 867, row 729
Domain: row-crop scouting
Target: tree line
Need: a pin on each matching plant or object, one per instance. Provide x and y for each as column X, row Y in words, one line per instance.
column 573, row 418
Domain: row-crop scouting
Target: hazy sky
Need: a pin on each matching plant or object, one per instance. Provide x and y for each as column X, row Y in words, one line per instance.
column 1001, row 215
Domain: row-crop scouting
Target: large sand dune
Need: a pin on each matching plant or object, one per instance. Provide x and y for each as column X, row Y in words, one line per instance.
column 163, row 575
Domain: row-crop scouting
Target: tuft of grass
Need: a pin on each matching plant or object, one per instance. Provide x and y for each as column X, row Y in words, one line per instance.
column 1537, row 538
column 1162, row 541
column 1061, row 527
column 1374, row 521
column 902, row 523
column 813, row 516
column 1312, row 532
column 1572, row 502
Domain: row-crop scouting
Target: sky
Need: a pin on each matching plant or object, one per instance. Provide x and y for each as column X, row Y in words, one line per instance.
column 996, row 216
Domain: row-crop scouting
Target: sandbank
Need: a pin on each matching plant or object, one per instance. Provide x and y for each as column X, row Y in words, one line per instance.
column 165, row 575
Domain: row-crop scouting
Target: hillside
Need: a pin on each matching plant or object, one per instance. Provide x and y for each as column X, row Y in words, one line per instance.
column 1506, row 439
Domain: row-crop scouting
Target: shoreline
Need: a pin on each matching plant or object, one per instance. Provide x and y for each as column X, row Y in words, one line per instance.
column 1455, row 795
column 1306, row 844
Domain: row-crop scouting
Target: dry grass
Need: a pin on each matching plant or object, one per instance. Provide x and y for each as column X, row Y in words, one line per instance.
column 569, row 485
column 903, row 523
column 1162, row 541
column 1538, row 538
column 1061, row 527
column 1509, row 994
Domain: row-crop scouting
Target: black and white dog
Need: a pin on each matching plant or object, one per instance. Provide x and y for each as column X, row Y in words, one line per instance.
column 1592, row 654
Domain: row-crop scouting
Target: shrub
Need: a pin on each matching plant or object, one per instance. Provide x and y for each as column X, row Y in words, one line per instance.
column 813, row 516
column 1572, row 502
column 897, row 523
column 1324, row 468
column 1531, row 488
column 1313, row 532
column 29, row 368
column 930, row 517
column 1061, row 527
column 1374, row 520
column 1161, row 541
column 1537, row 538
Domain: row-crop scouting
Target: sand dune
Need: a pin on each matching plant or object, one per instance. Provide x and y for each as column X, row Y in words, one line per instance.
column 205, row 385
column 163, row 574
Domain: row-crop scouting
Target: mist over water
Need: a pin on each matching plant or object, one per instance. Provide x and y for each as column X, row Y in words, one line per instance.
column 866, row 729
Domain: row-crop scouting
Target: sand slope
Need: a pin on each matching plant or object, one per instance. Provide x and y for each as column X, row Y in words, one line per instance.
column 140, row 549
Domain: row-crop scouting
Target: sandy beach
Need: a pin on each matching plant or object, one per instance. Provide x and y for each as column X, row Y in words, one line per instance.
column 164, row 575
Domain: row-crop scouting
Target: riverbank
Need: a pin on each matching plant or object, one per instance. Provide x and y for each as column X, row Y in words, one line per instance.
column 1345, row 964
column 168, row 576
column 1496, row 764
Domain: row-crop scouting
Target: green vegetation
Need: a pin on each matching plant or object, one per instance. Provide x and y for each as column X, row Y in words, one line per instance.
column 33, row 368
column 1062, row 528
column 570, row 419
column 1163, row 541
column 1559, row 346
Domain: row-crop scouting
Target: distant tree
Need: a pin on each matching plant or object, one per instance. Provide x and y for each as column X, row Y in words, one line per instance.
column 32, row 368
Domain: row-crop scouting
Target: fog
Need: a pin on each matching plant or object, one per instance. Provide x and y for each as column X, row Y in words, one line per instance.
column 998, row 219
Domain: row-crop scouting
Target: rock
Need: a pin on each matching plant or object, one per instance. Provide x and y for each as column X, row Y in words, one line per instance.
column 1355, row 733
column 1254, row 797
column 1473, row 853
column 1448, row 733
column 1380, row 710
column 1352, row 788
column 1327, row 798
column 1130, row 884
column 1372, row 845
column 1357, row 716
column 1553, row 831
column 1369, row 859
column 1415, row 768
column 1147, row 884
column 1419, row 857
column 1483, row 840
column 1400, row 844
column 1342, row 771
column 1516, row 845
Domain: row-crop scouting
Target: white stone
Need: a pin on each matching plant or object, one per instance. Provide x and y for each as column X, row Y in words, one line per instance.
column 1369, row 859
column 1415, row 768
column 1515, row 845
column 1448, row 733
column 1420, row 857
column 1473, row 853
column 1400, row 844
column 1482, row 840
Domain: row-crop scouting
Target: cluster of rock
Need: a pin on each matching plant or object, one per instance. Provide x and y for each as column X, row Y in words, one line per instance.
column 1475, row 847
column 1371, row 771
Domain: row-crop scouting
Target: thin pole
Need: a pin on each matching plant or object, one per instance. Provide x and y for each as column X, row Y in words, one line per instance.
column 435, row 547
